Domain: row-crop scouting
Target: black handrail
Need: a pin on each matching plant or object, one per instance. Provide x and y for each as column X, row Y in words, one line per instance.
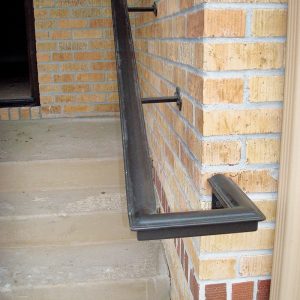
column 238, row 213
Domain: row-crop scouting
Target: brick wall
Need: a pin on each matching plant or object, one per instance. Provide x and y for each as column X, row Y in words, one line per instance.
column 75, row 53
column 76, row 63
column 227, row 56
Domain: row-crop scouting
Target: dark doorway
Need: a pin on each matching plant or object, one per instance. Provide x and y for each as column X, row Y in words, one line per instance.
column 18, row 68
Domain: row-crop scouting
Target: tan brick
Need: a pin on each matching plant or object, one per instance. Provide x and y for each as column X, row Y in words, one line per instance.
column 45, row 78
column 46, row 46
column 87, row 55
column 65, row 98
column 104, row 66
column 88, row 34
column 59, row 13
column 184, row 4
column 101, row 23
column 77, row 108
column 72, row 23
column 198, row 55
column 4, row 114
column 42, row 35
column 61, row 34
column 221, row 122
column 14, row 113
column 263, row 150
column 258, row 240
column 25, row 113
column 195, row 24
column 50, row 109
column 173, row 6
column 35, row 112
column 44, row 3
column 195, row 86
column 188, row 110
column 45, row 68
column 199, row 117
column 268, row 208
column 269, row 22
column 46, row 99
column 101, row 44
column 217, row 153
column 42, row 57
column 62, row 56
column 105, row 87
column 266, row 88
column 179, row 26
column 91, row 97
column 73, row 45
column 63, row 77
column 243, row 56
column 194, row 144
column 217, row 268
column 49, row 88
column 107, row 107
column 75, row 88
column 260, row 265
column 40, row 13
column 87, row 12
column 94, row 77
column 44, row 24
column 185, row 52
column 224, row 23
column 223, row 91
column 111, row 76
column 74, row 66
column 257, row 181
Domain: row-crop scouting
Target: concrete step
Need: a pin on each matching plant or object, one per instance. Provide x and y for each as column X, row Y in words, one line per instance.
column 60, row 174
column 52, row 139
column 64, row 230
column 115, row 271
column 59, row 154
column 78, row 216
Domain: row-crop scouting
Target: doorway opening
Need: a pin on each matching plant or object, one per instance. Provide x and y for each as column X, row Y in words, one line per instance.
column 18, row 67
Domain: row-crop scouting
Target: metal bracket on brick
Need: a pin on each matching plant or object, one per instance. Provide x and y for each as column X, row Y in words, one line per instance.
column 152, row 8
column 176, row 98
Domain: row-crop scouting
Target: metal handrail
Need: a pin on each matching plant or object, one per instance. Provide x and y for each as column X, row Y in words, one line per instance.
column 237, row 213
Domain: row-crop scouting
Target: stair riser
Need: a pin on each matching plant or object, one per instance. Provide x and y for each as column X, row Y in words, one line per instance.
column 60, row 174
column 60, row 230
column 142, row 289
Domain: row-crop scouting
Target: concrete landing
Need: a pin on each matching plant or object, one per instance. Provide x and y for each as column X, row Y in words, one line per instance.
column 60, row 139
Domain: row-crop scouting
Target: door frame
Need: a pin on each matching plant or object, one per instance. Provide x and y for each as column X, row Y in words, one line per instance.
column 286, row 263
column 34, row 99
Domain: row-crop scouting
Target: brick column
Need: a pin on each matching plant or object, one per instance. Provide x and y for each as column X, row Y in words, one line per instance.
column 228, row 60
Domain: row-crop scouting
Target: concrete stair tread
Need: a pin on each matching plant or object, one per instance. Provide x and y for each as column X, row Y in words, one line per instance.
column 60, row 139
column 64, row 231
column 62, row 202
column 44, row 266
column 61, row 174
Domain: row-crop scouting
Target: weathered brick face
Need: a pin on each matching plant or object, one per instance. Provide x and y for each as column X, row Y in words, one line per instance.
column 227, row 56
column 75, row 53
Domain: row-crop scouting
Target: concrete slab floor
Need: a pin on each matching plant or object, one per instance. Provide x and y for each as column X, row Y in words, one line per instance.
column 49, row 139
